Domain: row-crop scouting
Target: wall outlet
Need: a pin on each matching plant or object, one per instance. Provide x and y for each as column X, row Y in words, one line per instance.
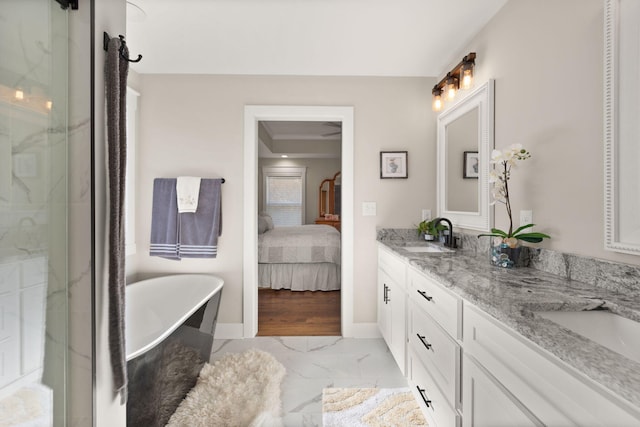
column 426, row 214
column 526, row 217
column 368, row 208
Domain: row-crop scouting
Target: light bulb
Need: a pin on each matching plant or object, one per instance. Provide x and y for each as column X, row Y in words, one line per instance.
column 49, row 105
column 450, row 88
column 19, row 94
column 437, row 102
column 467, row 79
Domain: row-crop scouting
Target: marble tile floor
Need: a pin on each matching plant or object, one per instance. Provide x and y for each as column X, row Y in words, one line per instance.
column 314, row 363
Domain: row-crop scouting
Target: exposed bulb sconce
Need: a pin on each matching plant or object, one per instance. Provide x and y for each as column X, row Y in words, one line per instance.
column 461, row 77
column 437, row 99
column 450, row 87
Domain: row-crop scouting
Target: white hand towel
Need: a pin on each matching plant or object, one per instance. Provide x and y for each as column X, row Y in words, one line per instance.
column 187, row 192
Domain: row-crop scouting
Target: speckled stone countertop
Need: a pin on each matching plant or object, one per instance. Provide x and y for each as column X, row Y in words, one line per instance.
column 513, row 295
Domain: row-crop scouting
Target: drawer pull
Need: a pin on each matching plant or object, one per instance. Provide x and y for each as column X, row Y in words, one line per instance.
column 424, row 397
column 386, row 294
column 424, row 294
column 426, row 344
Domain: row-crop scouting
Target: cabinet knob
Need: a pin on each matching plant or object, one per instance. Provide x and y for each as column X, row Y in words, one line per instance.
column 425, row 343
column 424, row 397
column 424, row 294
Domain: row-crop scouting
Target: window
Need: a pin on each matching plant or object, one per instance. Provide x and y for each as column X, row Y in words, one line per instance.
column 284, row 195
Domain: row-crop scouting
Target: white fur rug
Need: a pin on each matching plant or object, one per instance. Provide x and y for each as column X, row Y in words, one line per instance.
column 238, row 390
column 370, row 407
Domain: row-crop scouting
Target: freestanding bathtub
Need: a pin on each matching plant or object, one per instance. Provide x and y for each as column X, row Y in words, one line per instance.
column 154, row 308
column 169, row 326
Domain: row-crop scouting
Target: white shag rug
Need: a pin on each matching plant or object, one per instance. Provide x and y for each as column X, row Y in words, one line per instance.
column 240, row 389
column 370, row 407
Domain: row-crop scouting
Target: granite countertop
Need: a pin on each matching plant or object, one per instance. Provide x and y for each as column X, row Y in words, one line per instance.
column 513, row 295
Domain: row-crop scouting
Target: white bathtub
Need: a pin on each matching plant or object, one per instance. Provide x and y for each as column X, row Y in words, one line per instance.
column 154, row 308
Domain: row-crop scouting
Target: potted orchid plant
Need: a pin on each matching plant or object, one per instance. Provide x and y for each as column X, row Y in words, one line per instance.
column 505, row 249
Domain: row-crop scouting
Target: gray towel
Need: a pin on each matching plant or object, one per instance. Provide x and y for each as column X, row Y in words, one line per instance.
column 116, row 70
column 164, row 219
column 198, row 232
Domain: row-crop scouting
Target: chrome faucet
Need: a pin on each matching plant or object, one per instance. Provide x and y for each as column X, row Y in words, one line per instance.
column 448, row 238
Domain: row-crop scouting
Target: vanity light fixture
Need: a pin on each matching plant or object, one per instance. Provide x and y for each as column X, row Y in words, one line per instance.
column 437, row 99
column 461, row 77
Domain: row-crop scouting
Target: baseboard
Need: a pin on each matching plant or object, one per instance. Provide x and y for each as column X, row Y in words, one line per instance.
column 234, row 331
column 229, row 331
column 365, row 330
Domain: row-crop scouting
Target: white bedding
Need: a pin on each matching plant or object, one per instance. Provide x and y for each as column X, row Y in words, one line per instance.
column 302, row 244
column 300, row 258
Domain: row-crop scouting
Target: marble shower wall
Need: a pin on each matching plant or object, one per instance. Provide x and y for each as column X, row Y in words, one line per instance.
column 45, row 182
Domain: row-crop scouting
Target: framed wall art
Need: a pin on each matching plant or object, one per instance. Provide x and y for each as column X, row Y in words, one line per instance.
column 471, row 165
column 393, row 164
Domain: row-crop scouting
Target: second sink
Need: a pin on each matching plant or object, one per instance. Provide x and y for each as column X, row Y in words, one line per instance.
column 615, row 332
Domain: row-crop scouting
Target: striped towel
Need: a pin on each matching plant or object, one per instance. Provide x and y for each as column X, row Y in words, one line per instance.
column 198, row 232
column 164, row 219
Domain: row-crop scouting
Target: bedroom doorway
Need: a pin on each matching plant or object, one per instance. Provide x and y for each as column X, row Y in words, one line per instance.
column 299, row 203
column 341, row 118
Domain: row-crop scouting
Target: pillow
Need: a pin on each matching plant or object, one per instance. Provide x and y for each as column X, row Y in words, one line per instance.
column 268, row 219
column 262, row 224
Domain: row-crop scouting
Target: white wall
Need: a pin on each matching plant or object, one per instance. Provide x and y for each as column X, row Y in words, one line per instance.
column 194, row 125
column 546, row 57
column 317, row 171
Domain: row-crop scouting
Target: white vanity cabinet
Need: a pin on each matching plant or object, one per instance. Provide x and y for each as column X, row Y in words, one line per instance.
column 507, row 380
column 392, row 304
column 434, row 351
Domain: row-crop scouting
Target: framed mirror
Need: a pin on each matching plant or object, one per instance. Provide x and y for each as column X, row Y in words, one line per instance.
column 621, row 129
column 465, row 141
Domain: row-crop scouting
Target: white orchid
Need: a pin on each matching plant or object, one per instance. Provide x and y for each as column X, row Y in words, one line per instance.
column 506, row 160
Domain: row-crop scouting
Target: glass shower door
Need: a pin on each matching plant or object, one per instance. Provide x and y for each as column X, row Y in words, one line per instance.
column 33, row 212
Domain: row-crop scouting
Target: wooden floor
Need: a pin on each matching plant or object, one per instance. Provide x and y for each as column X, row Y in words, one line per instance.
column 300, row 313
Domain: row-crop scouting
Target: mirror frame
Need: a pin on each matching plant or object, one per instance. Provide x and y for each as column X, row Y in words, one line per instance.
column 481, row 98
column 612, row 81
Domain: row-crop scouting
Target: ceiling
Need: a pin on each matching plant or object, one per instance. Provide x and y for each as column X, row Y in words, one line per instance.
column 303, row 37
column 300, row 139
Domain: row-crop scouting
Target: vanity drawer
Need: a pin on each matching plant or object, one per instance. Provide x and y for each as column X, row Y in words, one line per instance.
column 438, row 352
column 393, row 266
column 443, row 306
column 435, row 407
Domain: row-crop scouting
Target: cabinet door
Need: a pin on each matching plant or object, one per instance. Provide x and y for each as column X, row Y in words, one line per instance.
column 384, row 309
column 392, row 317
column 396, row 298
column 488, row 403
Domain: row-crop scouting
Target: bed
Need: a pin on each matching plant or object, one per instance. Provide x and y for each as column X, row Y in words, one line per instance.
column 301, row 258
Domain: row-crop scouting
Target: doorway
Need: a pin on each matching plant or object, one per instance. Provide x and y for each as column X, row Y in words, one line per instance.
column 253, row 116
column 299, row 268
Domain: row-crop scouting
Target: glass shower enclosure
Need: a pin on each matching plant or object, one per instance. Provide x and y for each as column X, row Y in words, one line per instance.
column 33, row 212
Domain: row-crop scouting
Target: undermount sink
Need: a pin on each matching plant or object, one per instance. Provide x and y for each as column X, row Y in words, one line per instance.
column 615, row 332
column 427, row 249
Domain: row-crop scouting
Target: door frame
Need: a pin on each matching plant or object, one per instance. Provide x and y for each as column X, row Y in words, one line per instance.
column 253, row 114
